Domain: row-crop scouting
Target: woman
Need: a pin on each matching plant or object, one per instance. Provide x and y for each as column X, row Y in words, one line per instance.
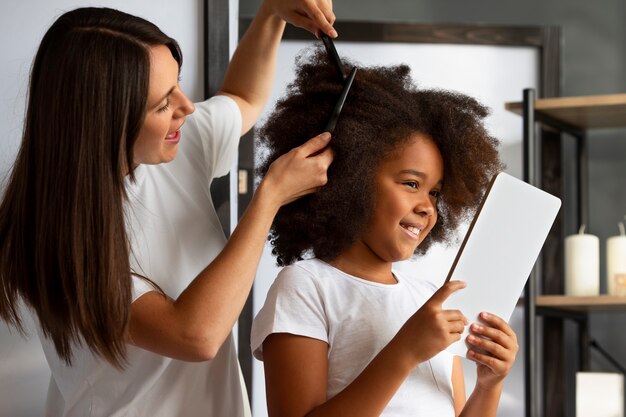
column 107, row 229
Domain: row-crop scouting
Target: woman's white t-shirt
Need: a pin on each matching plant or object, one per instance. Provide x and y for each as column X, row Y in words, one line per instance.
column 175, row 233
column 357, row 319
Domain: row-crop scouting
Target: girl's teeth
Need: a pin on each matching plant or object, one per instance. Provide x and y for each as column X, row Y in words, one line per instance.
column 414, row 230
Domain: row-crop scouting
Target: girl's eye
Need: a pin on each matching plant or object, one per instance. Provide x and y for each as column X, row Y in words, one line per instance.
column 412, row 184
column 164, row 108
column 435, row 193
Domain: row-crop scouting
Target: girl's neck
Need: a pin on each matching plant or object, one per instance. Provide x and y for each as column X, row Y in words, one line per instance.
column 355, row 262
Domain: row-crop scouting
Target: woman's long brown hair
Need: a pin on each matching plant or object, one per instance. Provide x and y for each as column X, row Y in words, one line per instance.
column 64, row 249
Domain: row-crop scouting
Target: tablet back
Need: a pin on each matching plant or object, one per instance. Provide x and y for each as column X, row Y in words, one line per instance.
column 500, row 249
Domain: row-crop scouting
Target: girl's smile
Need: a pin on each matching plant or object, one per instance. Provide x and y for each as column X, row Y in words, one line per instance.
column 412, row 231
column 407, row 184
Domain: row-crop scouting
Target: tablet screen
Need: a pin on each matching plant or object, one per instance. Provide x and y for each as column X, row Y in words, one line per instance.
column 499, row 250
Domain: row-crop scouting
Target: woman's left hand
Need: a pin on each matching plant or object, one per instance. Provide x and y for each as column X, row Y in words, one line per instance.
column 313, row 15
column 494, row 347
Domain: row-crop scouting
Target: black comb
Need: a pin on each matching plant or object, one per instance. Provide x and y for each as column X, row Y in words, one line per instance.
column 334, row 57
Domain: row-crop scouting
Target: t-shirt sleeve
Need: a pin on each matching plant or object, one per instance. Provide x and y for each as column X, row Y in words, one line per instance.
column 140, row 287
column 294, row 304
column 217, row 124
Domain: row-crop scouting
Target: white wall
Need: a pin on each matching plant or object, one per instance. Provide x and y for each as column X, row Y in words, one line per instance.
column 23, row 371
column 494, row 75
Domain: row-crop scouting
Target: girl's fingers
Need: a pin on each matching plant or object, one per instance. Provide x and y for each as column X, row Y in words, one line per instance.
column 455, row 315
column 491, row 333
column 445, row 291
column 497, row 366
column 498, row 336
column 497, row 323
column 494, row 349
column 495, row 344
column 456, row 327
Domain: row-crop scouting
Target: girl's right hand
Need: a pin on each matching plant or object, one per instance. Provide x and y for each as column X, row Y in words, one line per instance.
column 432, row 329
column 300, row 171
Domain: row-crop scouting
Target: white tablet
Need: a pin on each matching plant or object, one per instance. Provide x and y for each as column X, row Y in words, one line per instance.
column 499, row 250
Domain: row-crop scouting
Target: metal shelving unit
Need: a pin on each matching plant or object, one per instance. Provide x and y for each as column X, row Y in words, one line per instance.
column 573, row 116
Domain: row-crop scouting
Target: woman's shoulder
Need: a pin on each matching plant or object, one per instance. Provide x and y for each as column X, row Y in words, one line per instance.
column 215, row 113
column 218, row 103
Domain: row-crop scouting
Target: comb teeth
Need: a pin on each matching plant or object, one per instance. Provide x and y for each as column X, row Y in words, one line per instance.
column 330, row 127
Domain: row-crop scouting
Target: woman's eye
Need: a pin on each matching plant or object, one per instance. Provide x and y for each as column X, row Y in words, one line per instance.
column 165, row 107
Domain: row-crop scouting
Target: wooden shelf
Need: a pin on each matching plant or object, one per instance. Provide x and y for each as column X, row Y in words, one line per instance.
column 584, row 112
column 582, row 304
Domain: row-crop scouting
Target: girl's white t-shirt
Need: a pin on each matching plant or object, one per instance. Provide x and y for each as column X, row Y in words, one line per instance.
column 357, row 319
column 175, row 233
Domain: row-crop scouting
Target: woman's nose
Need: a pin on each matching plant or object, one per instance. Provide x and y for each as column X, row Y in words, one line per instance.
column 186, row 106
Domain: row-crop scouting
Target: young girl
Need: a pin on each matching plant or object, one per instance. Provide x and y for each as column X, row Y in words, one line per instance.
column 342, row 333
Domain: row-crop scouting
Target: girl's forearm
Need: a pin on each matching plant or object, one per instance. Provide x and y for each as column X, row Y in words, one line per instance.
column 483, row 402
column 372, row 390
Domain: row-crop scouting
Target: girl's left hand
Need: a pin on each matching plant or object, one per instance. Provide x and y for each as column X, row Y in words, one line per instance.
column 494, row 347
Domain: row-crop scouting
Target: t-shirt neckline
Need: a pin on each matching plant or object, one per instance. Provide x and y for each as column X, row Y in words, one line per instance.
column 399, row 281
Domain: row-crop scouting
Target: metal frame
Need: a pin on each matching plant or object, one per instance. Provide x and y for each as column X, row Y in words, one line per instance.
column 216, row 44
column 216, row 60
column 532, row 142
column 566, row 403
column 547, row 40
column 530, row 168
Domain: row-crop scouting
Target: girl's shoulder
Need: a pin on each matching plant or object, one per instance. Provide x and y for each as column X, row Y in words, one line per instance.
column 312, row 266
column 321, row 278
column 311, row 271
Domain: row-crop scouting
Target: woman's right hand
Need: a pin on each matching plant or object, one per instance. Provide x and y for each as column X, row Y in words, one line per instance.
column 195, row 325
column 300, row 171
column 432, row 329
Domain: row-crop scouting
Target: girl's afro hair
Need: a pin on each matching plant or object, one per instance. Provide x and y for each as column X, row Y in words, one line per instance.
column 383, row 110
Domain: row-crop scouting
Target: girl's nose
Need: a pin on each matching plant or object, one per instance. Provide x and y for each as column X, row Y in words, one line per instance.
column 425, row 206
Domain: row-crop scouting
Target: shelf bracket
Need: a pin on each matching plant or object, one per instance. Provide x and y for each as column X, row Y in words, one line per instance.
column 594, row 344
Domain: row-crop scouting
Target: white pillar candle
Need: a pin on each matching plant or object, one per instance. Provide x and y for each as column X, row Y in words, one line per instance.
column 616, row 263
column 582, row 264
